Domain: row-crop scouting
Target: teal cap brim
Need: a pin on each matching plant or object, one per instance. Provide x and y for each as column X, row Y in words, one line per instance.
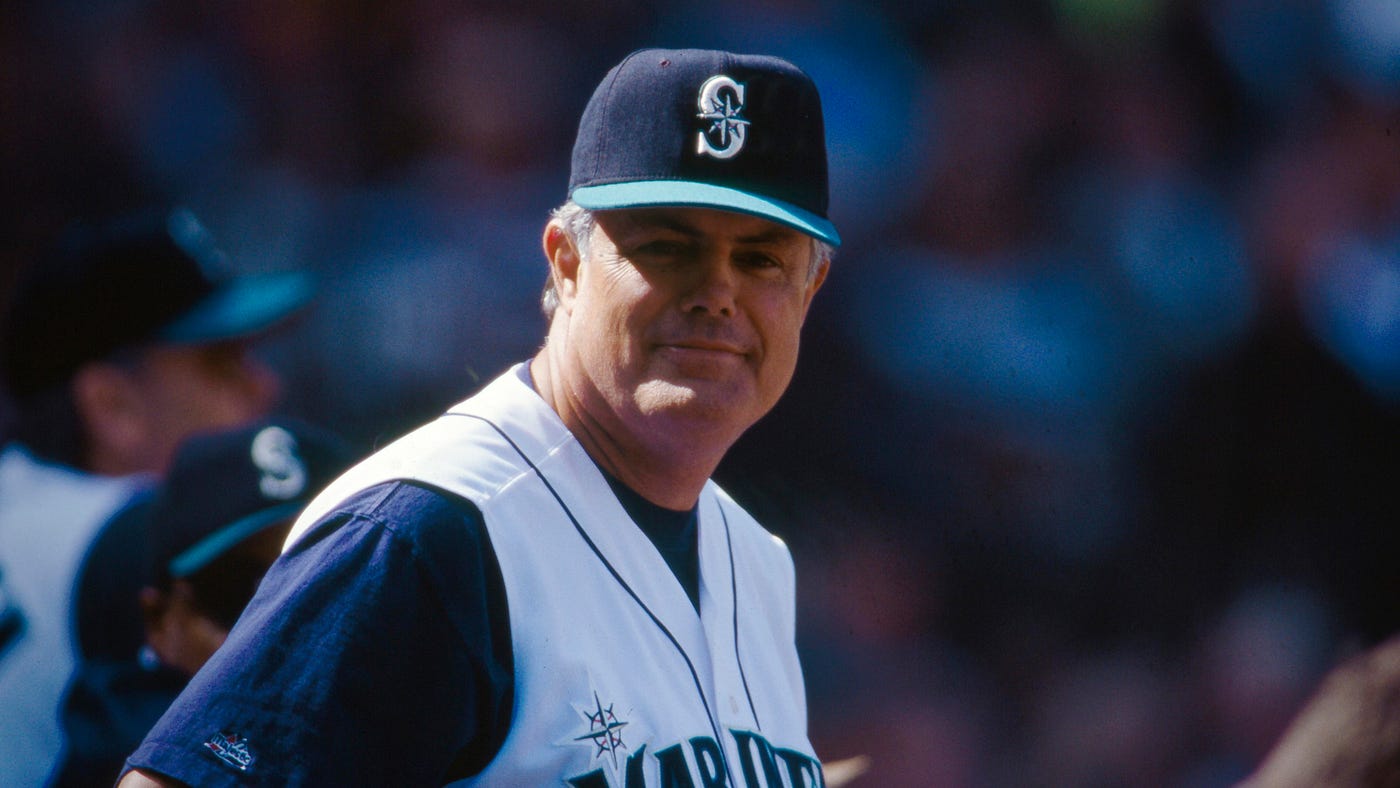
column 242, row 307
column 652, row 194
column 221, row 541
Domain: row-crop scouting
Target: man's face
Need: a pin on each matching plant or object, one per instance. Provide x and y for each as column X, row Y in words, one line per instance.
column 689, row 316
column 188, row 389
column 186, row 624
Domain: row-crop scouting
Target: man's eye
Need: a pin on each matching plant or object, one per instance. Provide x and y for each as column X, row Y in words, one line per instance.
column 759, row 260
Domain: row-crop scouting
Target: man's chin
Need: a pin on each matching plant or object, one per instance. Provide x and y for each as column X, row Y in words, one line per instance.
column 698, row 398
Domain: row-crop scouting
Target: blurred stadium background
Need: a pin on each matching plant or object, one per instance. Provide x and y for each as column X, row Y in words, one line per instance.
column 1092, row 461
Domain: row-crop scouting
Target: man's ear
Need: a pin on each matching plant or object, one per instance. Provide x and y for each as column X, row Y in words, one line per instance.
column 563, row 256
column 817, row 279
column 109, row 402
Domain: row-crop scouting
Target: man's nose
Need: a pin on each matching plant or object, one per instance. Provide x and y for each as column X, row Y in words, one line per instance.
column 714, row 286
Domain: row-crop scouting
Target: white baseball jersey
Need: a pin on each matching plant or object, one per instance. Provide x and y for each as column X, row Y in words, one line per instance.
column 618, row 680
column 49, row 516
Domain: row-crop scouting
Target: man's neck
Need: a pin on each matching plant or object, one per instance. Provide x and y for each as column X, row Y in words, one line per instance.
column 107, row 463
column 668, row 470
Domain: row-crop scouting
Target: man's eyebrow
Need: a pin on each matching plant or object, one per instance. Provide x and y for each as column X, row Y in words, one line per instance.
column 770, row 235
column 767, row 235
column 651, row 221
column 773, row 234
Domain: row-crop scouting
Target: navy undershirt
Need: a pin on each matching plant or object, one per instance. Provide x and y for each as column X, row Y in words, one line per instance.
column 672, row 532
column 396, row 567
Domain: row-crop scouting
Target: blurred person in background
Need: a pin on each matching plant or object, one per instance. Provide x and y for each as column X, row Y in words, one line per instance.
column 126, row 338
column 212, row 528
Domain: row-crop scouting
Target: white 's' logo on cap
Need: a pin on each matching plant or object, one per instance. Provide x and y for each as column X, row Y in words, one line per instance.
column 721, row 100
column 283, row 472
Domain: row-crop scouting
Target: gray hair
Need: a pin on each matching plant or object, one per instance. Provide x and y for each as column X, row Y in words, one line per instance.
column 578, row 223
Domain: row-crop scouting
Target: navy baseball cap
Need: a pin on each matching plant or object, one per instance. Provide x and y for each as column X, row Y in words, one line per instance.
column 150, row 277
column 705, row 128
column 224, row 487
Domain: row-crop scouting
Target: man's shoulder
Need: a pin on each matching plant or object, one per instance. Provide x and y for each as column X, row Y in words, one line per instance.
column 28, row 479
column 407, row 507
column 461, row 452
column 400, row 522
column 50, row 515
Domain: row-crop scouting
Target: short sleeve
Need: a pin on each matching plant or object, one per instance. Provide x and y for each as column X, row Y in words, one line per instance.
column 375, row 652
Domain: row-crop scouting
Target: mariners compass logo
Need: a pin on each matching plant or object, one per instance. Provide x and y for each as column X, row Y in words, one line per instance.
column 604, row 729
column 721, row 103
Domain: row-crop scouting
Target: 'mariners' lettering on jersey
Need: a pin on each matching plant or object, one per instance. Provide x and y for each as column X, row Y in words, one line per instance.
column 699, row 763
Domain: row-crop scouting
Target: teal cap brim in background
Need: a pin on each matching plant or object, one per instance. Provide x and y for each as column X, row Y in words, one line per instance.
column 242, row 307
column 652, row 194
column 221, row 541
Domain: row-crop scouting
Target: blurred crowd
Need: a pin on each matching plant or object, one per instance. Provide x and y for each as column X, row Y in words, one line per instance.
column 1090, row 465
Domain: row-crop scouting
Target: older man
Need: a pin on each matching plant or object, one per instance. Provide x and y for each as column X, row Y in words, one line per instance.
column 543, row 586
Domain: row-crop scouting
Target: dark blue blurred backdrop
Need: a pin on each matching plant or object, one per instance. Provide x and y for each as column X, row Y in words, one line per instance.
column 1090, row 467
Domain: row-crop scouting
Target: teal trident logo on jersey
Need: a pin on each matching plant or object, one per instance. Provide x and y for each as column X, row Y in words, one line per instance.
column 699, row 763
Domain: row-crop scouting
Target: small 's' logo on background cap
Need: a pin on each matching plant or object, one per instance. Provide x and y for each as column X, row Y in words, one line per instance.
column 283, row 472
column 195, row 241
column 721, row 100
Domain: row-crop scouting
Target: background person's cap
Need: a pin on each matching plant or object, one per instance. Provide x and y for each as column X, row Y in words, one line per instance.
column 141, row 279
column 224, row 487
column 693, row 127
